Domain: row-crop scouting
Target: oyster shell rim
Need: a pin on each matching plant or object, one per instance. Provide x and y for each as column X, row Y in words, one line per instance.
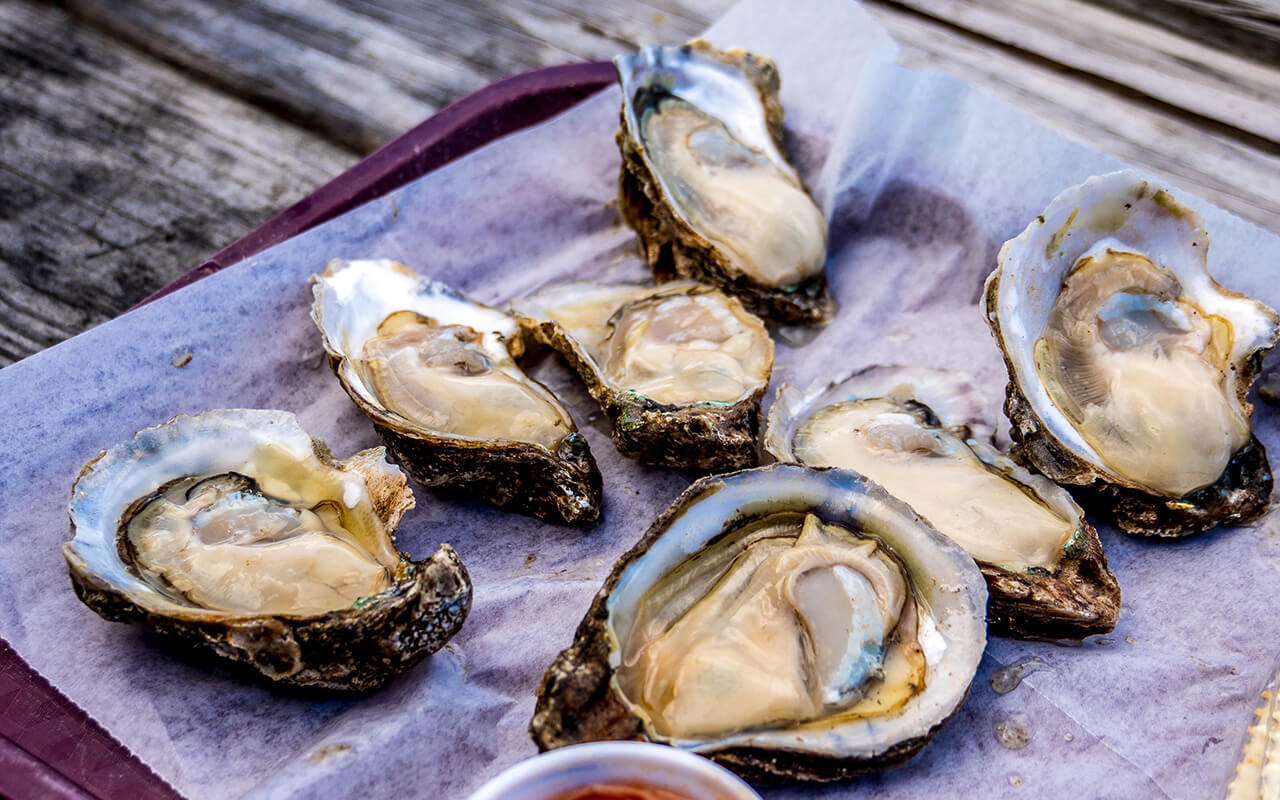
column 1243, row 490
column 1080, row 597
column 352, row 649
column 707, row 435
column 578, row 698
column 555, row 485
column 671, row 247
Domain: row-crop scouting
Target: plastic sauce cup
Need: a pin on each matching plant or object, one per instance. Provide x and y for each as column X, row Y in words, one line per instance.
column 554, row 775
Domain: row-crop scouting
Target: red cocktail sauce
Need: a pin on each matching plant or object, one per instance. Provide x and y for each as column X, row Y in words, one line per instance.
column 620, row 791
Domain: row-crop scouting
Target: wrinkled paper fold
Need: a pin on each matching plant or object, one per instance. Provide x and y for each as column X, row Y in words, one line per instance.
column 922, row 178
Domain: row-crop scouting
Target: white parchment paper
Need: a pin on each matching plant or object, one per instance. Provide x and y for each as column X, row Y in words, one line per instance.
column 922, row 178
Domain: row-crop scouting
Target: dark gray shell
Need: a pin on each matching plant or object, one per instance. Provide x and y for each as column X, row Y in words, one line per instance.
column 356, row 649
column 579, row 699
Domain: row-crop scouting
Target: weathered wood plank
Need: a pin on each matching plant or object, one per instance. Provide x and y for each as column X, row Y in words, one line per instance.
column 119, row 170
column 1198, row 155
column 1164, row 66
column 1249, row 28
column 118, row 174
column 361, row 72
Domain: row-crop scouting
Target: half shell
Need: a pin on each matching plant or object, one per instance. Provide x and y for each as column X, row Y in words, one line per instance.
column 1043, row 562
column 193, row 524
column 584, row 695
column 706, row 184
column 678, row 369
column 435, row 372
column 1129, row 365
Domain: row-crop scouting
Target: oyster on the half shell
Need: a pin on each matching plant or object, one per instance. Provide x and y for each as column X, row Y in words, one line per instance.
column 785, row 621
column 679, row 369
column 435, row 372
column 706, row 183
column 1129, row 365
column 235, row 531
column 911, row 429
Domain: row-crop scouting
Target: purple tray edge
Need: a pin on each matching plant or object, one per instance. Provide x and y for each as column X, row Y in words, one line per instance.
column 49, row 748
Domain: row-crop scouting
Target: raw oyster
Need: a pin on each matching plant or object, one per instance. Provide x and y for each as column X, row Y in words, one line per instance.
column 678, row 369
column 434, row 371
column 235, row 531
column 785, row 621
column 706, row 183
column 909, row 429
column 1128, row 363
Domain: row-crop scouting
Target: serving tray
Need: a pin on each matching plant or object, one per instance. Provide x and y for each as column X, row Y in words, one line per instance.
column 49, row 748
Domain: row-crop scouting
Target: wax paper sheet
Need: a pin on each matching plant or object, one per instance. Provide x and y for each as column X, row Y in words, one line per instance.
column 922, row 177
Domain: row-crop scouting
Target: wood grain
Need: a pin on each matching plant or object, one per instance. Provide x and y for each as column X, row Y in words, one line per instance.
column 1249, row 28
column 117, row 174
column 1212, row 159
column 136, row 138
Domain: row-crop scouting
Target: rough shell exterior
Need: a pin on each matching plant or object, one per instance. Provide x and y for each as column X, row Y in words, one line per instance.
column 1079, row 598
column 577, row 701
column 557, row 486
column 1241, row 494
column 705, row 436
column 561, row 485
column 674, row 250
column 353, row 649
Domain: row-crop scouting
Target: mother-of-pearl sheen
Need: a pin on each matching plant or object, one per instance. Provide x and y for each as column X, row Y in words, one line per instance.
column 737, row 198
column 737, row 659
column 683, row 349
column 244, row 553
column 940, row 478
column 1131, row 364
column 421, row 379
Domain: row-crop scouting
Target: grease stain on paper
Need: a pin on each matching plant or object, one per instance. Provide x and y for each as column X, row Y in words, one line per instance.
column 1006, row 679
column 329, row 752
column 1011, row 731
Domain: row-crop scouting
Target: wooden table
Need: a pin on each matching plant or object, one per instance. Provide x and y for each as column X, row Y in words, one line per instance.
column 138, row 137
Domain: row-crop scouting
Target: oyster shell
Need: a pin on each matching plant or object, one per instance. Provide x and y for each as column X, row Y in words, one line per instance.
column 1046, row 573
column 234, row 531
column 785, row 621
column 434, row 371
column 678, row 369
column 1128, row 364
column 706, row 184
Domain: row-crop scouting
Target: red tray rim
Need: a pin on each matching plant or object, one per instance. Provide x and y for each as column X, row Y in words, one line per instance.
column 49, row 747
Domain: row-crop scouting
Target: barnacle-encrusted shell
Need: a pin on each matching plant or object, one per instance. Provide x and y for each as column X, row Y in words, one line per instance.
column 434, row 371
column 706, row 184
column 1128, row 364
column 756, row 562
column 234, row 531
column 1045, row 569
column 678, row 369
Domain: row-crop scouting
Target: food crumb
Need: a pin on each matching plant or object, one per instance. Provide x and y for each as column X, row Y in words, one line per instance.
column 329, row 751
column 1015, row 781
column 529, row 559
column 1011, row 731
column 180, row 358
column 1128, row 639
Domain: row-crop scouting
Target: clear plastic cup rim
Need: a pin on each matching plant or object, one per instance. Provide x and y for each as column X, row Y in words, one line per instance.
column 554, row 774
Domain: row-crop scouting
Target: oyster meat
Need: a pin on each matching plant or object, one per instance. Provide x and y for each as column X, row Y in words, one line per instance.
column 435, row 372
column 235, row 531
column 785, row 621
column 910, row 430
column 1128, row 364
column 678, row 369
column 706, row 183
